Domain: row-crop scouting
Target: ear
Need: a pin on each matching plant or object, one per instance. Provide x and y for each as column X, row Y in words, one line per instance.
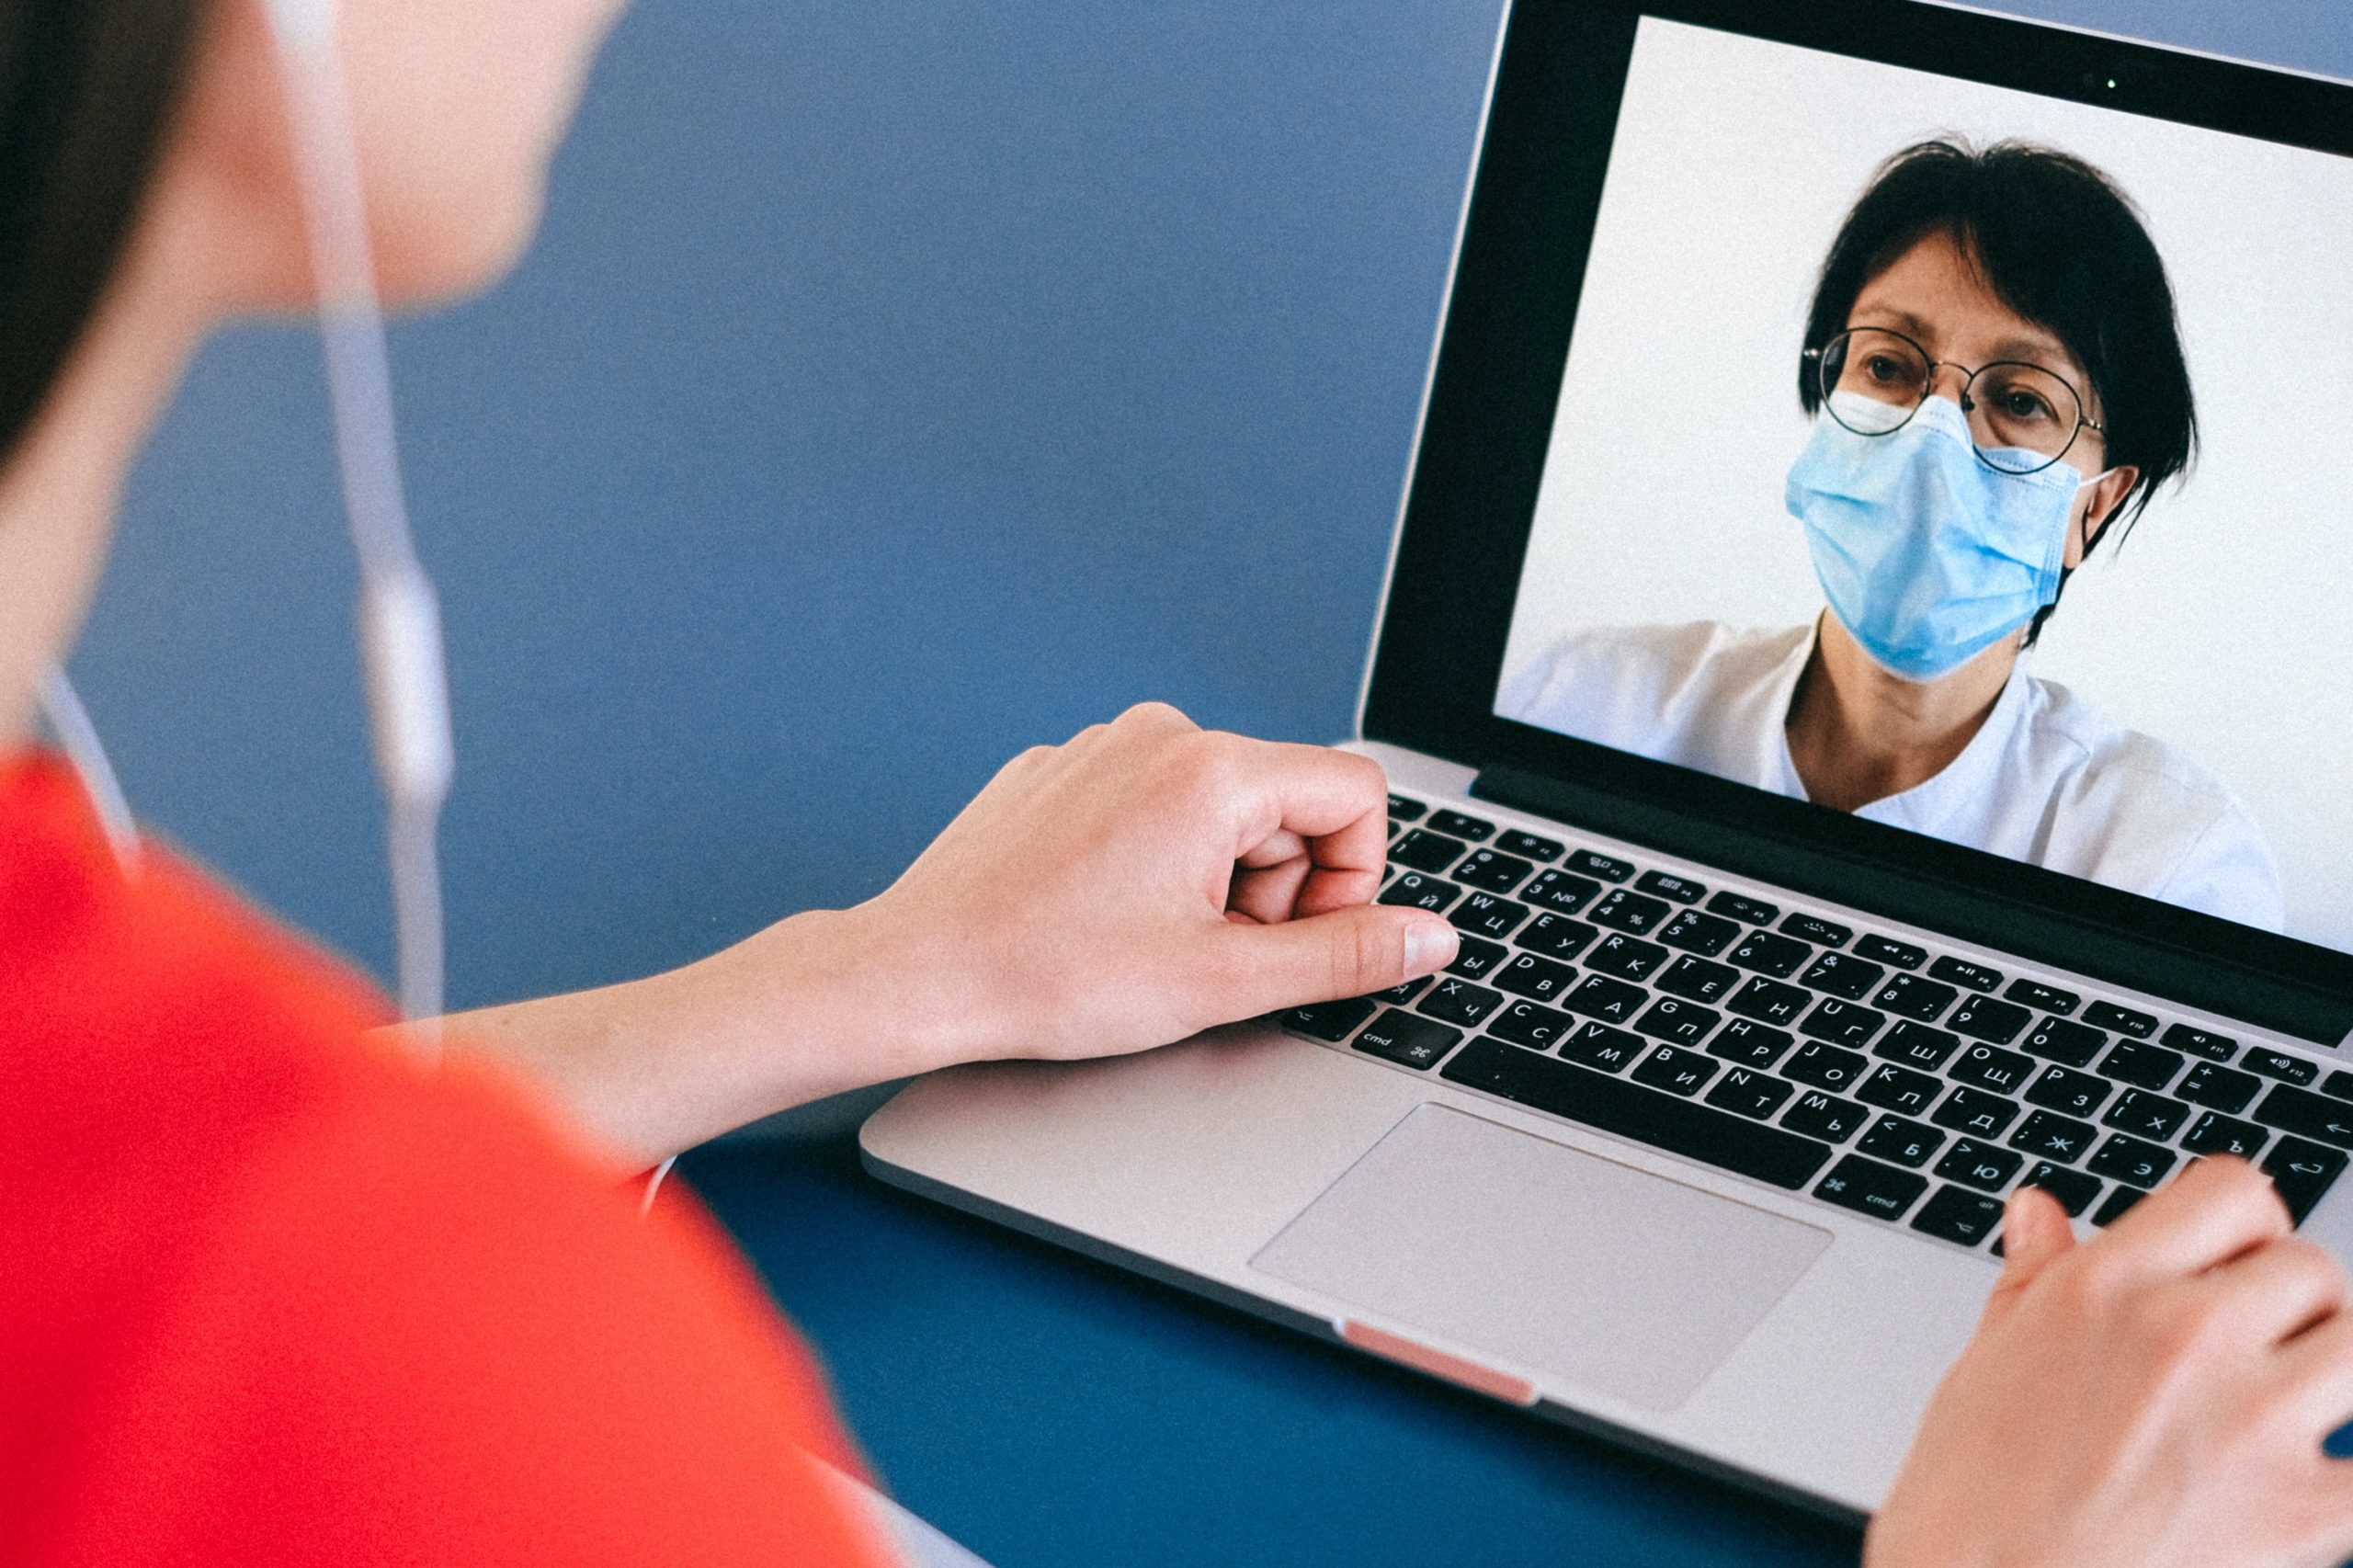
column 2098, row 506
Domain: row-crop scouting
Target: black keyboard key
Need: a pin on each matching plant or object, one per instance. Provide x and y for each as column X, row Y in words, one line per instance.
column 2132, row 1159
column 1842, row 1023
column 1485, row 914
column 2307, row 1116
column 1676, row 1071
column 1598, row 996
column 1818, row 1115
column 1982, row 1018
column 1560, row 891
column 1755, row 911
column 1886, row 950
column 2339, row 1082
column 1604, row 1049
column 2280, row 1065
column 1624, row 911
column 1475, row 959
column 1459, row 1002
column 1750, row 1094
column 1706, row 935
column 2302, row 1172
column 2147, row 1115
column 2215, row 1133
column 1333, row 1021
column 1491, row 872
column 1678, row 1023
column 1826, row 1066
column 1426, row 851
column 2201, row 1042
column 1406, row 1039
column 1977, row 1113
column 1980, row 1165
column 1751, row 1044
column 1601, row 866
column 1696, row 979
column 2056, row 1040
column 1842, row 974
column 1461, row 826
column 1680, row 1127
column 1771, row 1001
column 1890, row 1088
column 1869, row 1187
column 1515, row 842
column 1399, row 994
column 1961, row 971
column 1904, row 1143
column 1958, row 1216
column 1557, row 937
column 2141, row 1064
column 2053, row 1136
column 1525, row 1023
column 1414, row 891
column 1539, row 979
column 1989, row 1067
column 1396, row 827
column 1917, row 1045
column 2065, row 1089
column 2119, row 1199
column 1765, row 953
column 1910, row 996
column 1820, row 932
column 2073, row 1189
column 2222, row 1089
column 2120, row 1020
column 2043, row 998
column 1626, row 957
column 1405, row 810
column 1681, row 890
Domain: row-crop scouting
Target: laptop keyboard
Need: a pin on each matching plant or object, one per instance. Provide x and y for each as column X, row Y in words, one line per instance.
column 1794, row 1050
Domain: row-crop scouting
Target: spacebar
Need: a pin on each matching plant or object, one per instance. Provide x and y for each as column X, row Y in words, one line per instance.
column 1646, row 1116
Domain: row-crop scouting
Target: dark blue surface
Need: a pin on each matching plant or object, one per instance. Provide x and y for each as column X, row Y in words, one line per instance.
column 895, row 386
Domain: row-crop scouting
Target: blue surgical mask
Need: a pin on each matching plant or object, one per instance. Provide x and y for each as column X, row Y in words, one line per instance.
column 1928, row 556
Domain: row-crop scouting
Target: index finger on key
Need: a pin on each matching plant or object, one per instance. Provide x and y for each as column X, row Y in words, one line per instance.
column 2209, row 1214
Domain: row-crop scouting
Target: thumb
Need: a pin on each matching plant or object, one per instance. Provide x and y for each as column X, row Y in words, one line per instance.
column 1349, row 952
column 2035, row 1234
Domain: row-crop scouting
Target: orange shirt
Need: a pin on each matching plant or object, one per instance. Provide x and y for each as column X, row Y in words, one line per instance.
column 270, row 1295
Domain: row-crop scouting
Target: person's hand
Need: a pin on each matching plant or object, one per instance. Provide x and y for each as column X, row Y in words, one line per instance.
column 1146, row 881
column 2154, row 1398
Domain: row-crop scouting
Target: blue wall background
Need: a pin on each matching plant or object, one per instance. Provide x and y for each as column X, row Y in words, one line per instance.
column 892, row 386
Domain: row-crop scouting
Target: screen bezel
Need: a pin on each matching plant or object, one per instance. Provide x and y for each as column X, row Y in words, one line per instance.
column 1486, row 427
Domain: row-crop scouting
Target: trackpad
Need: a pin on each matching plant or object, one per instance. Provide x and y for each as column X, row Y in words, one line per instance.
column 1591, row 1271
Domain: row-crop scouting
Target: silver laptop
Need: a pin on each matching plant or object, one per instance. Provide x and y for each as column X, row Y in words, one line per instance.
column 1785, row 345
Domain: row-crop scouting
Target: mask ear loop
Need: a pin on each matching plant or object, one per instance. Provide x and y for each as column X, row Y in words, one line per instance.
column 399, row 619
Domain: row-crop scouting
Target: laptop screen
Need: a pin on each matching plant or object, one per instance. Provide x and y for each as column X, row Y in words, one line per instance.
column 1976, row 463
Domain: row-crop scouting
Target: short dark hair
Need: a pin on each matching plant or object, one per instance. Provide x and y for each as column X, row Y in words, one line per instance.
column 2060, row 244
column 87, row 90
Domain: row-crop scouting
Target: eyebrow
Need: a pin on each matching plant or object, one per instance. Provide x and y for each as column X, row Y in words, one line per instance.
column 2040, row 351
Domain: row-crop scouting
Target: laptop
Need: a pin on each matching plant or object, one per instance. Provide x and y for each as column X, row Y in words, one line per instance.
column 1804, row 914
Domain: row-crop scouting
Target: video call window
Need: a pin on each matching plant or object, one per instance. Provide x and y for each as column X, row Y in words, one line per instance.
column 1976, row 463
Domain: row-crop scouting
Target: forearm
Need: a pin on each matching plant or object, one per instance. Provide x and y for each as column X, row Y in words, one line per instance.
column 649, row 1067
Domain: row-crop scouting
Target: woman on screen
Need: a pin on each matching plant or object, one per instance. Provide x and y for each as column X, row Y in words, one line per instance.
column 1997, row 382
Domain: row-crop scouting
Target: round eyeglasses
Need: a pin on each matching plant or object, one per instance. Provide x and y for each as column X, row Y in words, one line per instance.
column 2022, row 418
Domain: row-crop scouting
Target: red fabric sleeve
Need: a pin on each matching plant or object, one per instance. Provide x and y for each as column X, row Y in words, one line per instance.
column 270, row 1295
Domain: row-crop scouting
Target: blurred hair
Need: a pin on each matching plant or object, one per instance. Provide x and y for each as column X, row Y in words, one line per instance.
column 87, row 88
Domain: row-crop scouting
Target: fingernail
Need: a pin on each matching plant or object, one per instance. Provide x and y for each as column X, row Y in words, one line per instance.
column 1430, row 946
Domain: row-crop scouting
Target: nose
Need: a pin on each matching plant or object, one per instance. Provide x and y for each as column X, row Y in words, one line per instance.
column 1951, row 383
